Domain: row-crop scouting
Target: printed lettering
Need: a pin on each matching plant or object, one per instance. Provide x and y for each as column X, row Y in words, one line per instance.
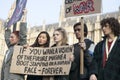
column 57, row 70
column 30, row 70
column 83, row 7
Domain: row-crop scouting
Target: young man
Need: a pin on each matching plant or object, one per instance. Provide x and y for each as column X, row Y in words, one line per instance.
column 106, row 62
column 75, row 68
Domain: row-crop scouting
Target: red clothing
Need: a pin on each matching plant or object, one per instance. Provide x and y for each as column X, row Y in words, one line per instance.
column 105, row 54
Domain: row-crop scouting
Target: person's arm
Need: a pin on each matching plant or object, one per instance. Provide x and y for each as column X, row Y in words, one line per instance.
column 23, row 33
column 93, row 68
column 7, row 36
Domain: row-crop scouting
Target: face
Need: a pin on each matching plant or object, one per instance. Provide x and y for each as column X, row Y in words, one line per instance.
column 106, row 30
column 57, row 36
column 42, row 39
column 77, row 31
column 13, row 38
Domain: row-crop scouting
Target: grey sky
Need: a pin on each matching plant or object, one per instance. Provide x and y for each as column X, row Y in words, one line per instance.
column 48, row 10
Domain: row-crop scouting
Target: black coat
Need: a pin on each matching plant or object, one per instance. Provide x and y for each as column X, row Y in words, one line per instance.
column 75, row 67
column 111, row 71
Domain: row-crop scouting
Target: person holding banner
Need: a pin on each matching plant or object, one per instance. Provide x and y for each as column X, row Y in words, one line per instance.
column 42, row 40
column 75, row 68
column 106, row 62
column 12, row 39
column 60, row 38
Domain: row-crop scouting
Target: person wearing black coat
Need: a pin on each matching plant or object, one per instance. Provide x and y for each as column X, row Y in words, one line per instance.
column 75, row 67
column 106, row 62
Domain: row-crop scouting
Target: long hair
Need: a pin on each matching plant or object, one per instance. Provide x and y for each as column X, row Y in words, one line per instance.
column 36, row 44
column 64, row 35
column 113, row 24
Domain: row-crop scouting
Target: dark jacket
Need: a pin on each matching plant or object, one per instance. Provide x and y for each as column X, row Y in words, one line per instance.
column 75, row 67
column 5, row 72
column 34, row 77
column 111, row 71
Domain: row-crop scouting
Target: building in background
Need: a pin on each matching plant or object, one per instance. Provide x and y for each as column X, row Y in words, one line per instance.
column 3, row 46
column 92, row 21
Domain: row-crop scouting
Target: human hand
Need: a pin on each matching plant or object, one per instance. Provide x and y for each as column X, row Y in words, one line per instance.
column 26, row 46
column 93, row 77
column 83, row 45
column 71, row 58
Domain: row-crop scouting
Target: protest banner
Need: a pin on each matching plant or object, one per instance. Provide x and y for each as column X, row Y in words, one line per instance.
column 18, row 12
column 81, row 7
column 41, row 61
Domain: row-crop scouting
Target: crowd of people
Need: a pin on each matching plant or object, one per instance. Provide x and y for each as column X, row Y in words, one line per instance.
column 101, row 62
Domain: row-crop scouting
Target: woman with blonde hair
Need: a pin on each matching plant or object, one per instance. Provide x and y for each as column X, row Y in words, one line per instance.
column 60, row 39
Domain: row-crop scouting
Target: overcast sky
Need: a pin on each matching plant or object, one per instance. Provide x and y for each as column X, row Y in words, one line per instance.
column 48, row 10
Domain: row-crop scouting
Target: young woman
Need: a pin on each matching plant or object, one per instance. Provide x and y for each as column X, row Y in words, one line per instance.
column 42, row 40
column 60, row 39
column 12, row 39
